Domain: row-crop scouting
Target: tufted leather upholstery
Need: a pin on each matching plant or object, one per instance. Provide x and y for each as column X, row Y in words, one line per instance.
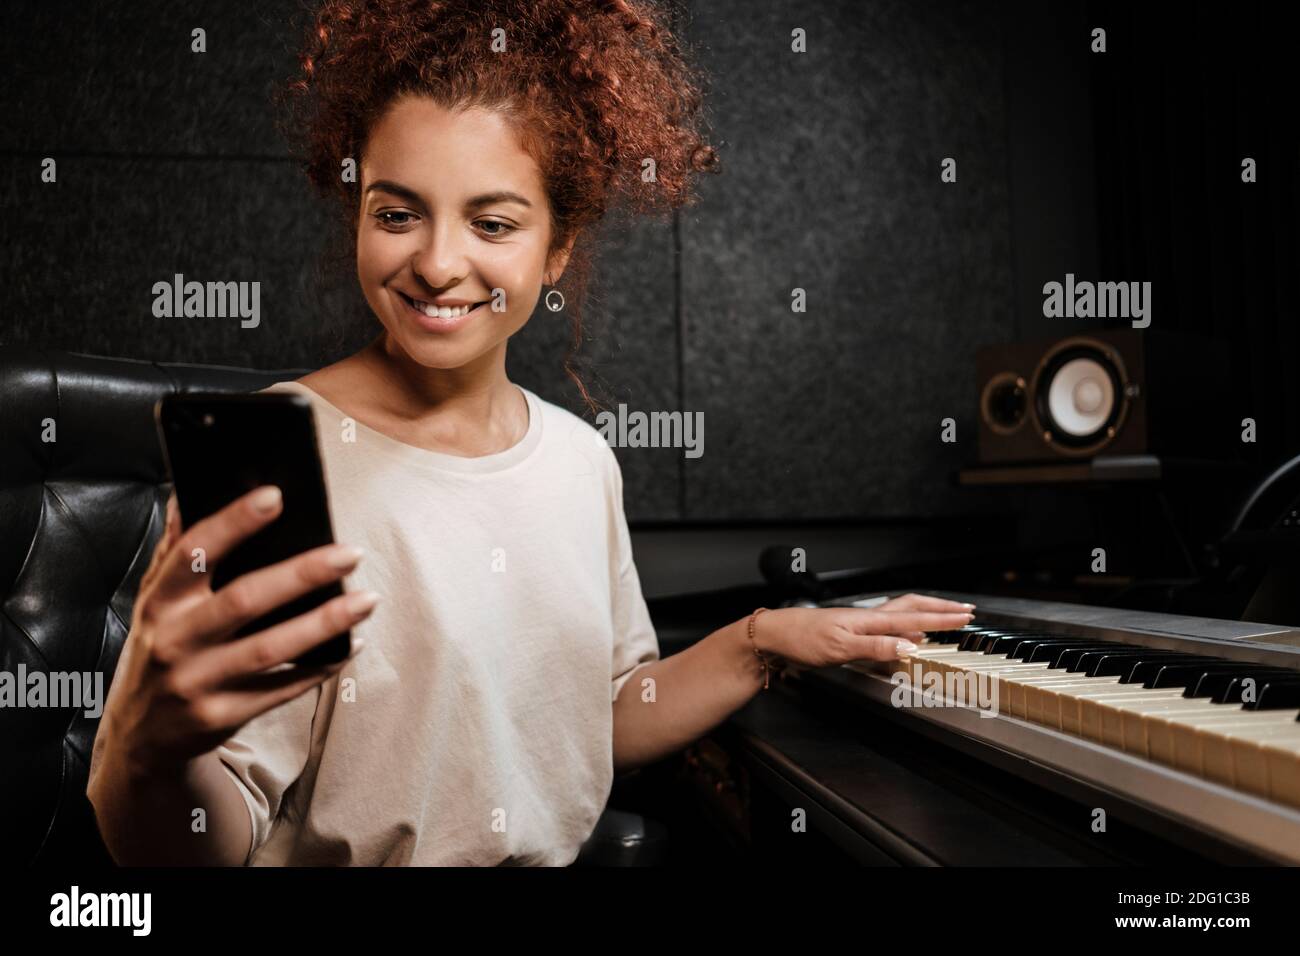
column 79, row 517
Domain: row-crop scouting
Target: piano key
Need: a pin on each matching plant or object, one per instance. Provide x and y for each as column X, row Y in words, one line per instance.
column 1276, row 693
column 1226, row 752
column 1122, row 662
column 1112, row 713
column 1282, row 761
column 949, row 637
column 1053, row 653
column 1190, row 733
column 1101, row 715
column 1215, row 684
column 1180, row 673
column 1026, row 647
column 1179, row 705
column 1155, row 703
column 1004, row 644
column 1044, row 698
column 1069, row 659
column 1136, row 721
column 1172, row 733
column 969, row 637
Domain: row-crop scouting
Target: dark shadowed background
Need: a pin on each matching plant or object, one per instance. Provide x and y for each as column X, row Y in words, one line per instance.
column 821, row 427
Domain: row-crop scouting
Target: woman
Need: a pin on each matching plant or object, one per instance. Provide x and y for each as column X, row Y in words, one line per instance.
column 509, row 665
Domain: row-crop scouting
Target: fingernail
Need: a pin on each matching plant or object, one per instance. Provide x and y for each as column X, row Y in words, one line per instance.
column 361, row 602
column 904, row 647
column 971, row 606
column 344, row 556
column 265, row 499
column 357, row 644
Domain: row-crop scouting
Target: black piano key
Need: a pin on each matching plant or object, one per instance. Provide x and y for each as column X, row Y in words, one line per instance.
column 946, row 637
column 1084, row 661
column 1276, row 693
column 1117, row 663
column 1027, row 647
column 1052, row 653
column 1214, row 684
column 1070, row 658
column 964, row 637
column 1137, row 667
column 969, row 636
column 1233, row 691
column 1003, row 644
column 982, row 642
column 1175, row 673
column 1236, row 689
column 972, row 636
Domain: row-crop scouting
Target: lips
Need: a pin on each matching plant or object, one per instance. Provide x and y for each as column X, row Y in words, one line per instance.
column 439, row 311
column 431, row 318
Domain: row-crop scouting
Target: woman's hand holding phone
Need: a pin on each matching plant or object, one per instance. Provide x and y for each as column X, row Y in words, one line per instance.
column 187, row 687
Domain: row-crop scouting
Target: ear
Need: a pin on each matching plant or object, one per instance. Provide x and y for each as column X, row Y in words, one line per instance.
column 559, row 260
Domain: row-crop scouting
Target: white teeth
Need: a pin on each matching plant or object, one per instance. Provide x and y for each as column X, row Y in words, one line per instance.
column 441, row 312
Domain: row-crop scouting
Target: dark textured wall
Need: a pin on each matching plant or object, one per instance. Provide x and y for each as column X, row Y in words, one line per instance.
column 833, row 187
column 169, row 162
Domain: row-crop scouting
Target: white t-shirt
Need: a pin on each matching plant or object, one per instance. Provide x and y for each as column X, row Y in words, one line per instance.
column 475, row 728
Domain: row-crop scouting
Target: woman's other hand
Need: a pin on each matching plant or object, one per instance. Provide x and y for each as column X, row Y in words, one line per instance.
column 820, row 637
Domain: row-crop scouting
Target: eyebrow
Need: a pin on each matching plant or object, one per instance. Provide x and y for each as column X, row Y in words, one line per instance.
column 486, row 199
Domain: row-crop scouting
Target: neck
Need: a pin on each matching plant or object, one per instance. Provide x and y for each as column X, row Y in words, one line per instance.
column 477, row 395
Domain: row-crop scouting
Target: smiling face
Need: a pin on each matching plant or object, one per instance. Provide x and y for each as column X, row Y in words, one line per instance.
column 453, row 212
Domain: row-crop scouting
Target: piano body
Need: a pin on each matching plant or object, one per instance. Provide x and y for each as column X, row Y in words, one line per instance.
column 1115, row 737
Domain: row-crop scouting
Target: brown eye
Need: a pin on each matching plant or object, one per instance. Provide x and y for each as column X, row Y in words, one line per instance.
column 506, row 228
column 386, row 218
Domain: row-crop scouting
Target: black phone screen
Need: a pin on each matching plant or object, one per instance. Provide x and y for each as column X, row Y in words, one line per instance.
column 221, row 446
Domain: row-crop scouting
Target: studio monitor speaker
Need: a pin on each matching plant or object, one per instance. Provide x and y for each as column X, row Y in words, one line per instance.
column 1112, row 392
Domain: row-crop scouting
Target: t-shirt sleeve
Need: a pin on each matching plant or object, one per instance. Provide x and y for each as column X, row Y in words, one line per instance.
column 635, row 642
column 266, row 756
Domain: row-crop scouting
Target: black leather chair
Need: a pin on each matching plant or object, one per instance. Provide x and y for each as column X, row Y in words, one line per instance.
column 82, row 491
column 625, row 839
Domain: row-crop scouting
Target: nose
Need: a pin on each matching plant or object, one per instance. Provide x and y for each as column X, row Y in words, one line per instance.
column 442, row 258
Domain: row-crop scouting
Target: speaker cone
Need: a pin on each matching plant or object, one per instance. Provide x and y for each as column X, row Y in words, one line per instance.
column 1005, row 402
column 1079, row 395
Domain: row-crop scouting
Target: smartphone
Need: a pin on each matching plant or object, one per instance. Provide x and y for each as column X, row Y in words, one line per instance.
column 220, row 446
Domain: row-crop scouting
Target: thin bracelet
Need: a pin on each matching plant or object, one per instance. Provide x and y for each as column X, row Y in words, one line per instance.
column 761, row 659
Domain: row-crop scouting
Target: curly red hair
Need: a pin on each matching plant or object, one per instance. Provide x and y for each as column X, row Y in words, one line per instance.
column 593, row 88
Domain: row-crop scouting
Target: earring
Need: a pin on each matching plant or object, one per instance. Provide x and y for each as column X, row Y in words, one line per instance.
column 554, row 298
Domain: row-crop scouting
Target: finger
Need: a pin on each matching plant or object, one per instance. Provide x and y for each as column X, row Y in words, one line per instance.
column 268, row 691
column 880, row 647
column 251, row 595
column 172, row 520
column 924, row 602
column 164, row 543
column 217, row 535
column 275, row 679
column 895, row 622
column 284, row 642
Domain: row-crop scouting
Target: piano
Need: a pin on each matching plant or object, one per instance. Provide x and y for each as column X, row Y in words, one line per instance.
column 1181, row 731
